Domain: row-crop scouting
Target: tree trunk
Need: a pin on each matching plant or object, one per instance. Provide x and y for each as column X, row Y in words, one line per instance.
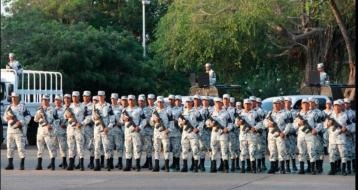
column 350, row 92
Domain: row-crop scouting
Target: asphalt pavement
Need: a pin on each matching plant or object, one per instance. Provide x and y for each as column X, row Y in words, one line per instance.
column 117, row 179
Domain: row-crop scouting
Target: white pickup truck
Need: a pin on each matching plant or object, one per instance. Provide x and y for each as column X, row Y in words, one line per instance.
column 30, row 85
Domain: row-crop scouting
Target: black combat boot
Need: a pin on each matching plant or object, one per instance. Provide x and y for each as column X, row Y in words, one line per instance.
column 259, row 168
column 333, row 169
column 78, row 165
column 313, row 168
column 111, row 163
column 22, row 164
column 185, row 166
column 49, row 166
column 302, row 170
column 137, row 164
column 282, row 167
column 102, row 161
column 98, row 165
column 253, row 166
column 64, row 163
column 272, row 169
column 145, row 165
column 264, row 168
column 91, row 164
column 202, row 164
column 226, row 166
column 276, row 166
column 238, row 163
column 308, row 170
column 354, row 165
column 10, row 165
column 150, row 164
column 288, row 170
column 39, row 164
column 195, row 167
column 128, row 165
column 344, row 165
column 52, row 164
column 220, row 169
column 70, row 165
column 192, row 164
column 294, row 168
column 177, row 165
column 172, row 166
column 156, row 166
column 319, row 168
column 349, row 168
column 119, row 163
column 82, row 165
column 162, row 168
column 232, row 165
column 166, row 165
column 248, row 169
column 243, row 166
column 213, row 166
column 338, row 165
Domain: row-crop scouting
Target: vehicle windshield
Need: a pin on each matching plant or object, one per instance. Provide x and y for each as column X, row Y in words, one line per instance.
column 267, row 106
column 2, row 91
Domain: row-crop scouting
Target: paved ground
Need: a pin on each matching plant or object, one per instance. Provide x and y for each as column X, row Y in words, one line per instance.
column 115, row 179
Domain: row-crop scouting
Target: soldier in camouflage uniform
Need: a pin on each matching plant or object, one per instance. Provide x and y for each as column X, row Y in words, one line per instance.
column 45, row 133
column 219, row 121
column 233, row 134
column 134, row 121
column 262, row 144
column 88, row 127
column 249, row 125
column 204, row 132
column 339, row 126
column 161, row 133
column 74, row 115
column 175, row 134
column 350, row 135
column 307, row 129
column 103, row 118
column 147, row 132
column 277, row 123
column 60, row 130
column 327, row 112
column 189, row 123
column 16, row 119
column 320, row 143
column 116, row 136
column 291, row 137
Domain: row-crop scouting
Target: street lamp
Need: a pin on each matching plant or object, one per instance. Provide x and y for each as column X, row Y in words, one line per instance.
column 144, row 2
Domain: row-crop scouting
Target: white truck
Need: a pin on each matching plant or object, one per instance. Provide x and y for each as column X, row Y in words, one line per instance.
column 30, row 85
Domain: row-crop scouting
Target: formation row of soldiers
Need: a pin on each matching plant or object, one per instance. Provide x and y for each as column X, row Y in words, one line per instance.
column 226, row 130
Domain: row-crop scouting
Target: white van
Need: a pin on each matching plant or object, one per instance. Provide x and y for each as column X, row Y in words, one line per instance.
column 296, row 101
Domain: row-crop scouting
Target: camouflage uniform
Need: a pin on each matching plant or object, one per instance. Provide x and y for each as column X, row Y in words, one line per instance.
column 175, row 135
column 220, row 140
column 204, row 135
column 88, row 128
column 161, row 136
column 115, row 135
column 307, row 142
column 101, row 138
column 147, row 137
column 44, row 134
column 350, row 137
column 291, row 140
column 132, row 139
column 60, row 133
column 190, row 139
column 15, row 136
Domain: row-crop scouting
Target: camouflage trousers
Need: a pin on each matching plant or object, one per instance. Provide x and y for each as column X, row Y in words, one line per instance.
column 175, row 144
column 277, row 148
column 350, row 146
column 218, row 146
column 320, row 147
column 49, row 140
column 102, row 145
column 88, row 140
column 337, row 151
column 61, row 143
column 248, row 150
column 116, row 139
column 204, row 145
column 291, row 146
column 233, row 145
column 306, row 145
column 75, row 140
column 157, row 144
column 190, row 142
column 133, row 145
column 14, row 140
